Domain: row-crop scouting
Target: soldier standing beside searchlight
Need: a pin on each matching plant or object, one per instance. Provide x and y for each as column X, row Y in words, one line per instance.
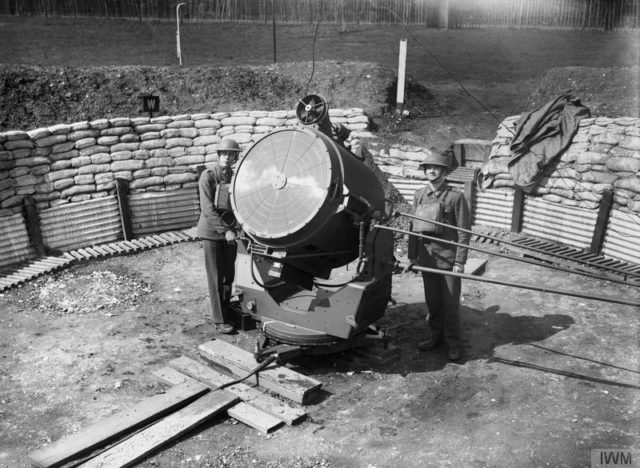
column 217, row 229
column 440, row 202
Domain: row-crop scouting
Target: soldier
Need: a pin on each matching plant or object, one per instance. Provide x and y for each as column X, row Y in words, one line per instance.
column 217, row 229
column 438, row 201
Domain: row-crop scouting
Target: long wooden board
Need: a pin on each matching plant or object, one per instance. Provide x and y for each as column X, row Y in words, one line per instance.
column 101, row 433
column 161, row 433
column 213, row 378
column 243, row 412
column 279, row 379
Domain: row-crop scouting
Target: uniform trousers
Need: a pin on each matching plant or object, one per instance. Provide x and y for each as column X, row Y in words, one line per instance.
column 219, row 261
column 442, row 295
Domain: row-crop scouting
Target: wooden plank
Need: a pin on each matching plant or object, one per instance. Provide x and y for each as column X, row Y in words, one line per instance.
column 100, row 250
column 137, row 243
column 55, row 260
column 108, row 429
column 165, row 238
column 145, row 242
column 84, row 253
column 281, row 380
column 149, row 440
column 153, row 241
column 243, row 412
column 94, row 253
column 252, row 416
column 76, row 255
column 116, row 247
column 108, row 250
column 214, row 379
column 475, row 266
column 175, row 236
column 130, row 245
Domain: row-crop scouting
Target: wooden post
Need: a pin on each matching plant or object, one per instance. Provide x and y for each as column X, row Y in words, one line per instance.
column 445, row 14
column 273, row 27
column 402, row 63
column 33, row 226
column 122, row 192
column 601, row 222
column 470, row 194
column 518, row 210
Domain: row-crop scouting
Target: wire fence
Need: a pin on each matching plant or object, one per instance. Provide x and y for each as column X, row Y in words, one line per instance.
column 574, row 14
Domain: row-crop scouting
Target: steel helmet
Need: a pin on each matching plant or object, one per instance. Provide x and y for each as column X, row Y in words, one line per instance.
column 228, row 144
column 436, row 160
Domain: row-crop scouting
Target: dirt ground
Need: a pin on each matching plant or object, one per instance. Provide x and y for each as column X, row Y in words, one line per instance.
column 82, row 343
column 544, row 378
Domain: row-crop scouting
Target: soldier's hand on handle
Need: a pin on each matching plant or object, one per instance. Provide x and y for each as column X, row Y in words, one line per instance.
column 230, row 236
column 412, row 262
column 458, row 268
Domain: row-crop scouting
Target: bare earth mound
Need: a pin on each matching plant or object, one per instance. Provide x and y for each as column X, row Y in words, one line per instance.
column 610, row 92
column 40, row 96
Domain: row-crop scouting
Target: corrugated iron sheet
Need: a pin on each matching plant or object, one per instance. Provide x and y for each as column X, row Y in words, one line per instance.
column 408, row 187
column 622, row 240
column 80, row 224
column 567, row 224
column 14, row 244
column 157, row 212
column 494, row 207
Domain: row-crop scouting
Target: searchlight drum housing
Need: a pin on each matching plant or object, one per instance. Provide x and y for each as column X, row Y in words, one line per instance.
column 297, row 190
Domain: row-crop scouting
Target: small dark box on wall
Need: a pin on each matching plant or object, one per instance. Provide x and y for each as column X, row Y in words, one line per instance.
column 150, row 104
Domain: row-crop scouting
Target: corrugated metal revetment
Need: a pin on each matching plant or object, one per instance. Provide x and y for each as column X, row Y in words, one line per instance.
column 566, row 224
column 158, row 212
column 494, row 207
column 14, row 240
column 77, row 225
column 622, row 240
column 406, row 187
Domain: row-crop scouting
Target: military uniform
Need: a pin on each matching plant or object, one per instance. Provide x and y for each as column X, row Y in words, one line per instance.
column 442, row 292
column 219, row 254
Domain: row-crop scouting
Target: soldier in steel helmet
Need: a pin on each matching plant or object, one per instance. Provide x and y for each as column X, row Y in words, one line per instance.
column 217, row 229
column 441, row 202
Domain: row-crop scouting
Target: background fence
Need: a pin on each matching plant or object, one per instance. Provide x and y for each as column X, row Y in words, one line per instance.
column 579, row 14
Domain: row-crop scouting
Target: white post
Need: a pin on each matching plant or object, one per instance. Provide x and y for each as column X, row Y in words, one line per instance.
column 179, row 50
column 402, row 62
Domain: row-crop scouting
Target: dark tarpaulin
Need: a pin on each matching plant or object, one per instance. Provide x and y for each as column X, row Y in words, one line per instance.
column 541, row 136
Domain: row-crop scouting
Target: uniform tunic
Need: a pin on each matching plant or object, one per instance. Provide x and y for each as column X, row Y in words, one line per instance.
column 219, row 255
column 442, row 293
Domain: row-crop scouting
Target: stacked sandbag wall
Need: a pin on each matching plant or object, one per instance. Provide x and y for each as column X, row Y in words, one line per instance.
column 82, row 163
column 599, row 172
column 68, row 163
column 604, row 155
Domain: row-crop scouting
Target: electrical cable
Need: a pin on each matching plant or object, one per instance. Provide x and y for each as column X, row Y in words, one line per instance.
column 313, row 55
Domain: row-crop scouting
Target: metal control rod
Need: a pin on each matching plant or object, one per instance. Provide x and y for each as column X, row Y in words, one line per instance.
column 506, row 242
column 510, row 257
column 564, row 292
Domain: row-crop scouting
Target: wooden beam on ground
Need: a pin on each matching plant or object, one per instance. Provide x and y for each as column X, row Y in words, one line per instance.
column 101, row 433
column 151, row 439
column 475, row 266
column 211, row 377
column 254, row 417
column 241, row 411
column 278, row 379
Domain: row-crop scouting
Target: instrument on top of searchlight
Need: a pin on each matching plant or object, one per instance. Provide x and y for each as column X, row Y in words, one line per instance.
column 310, row 268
